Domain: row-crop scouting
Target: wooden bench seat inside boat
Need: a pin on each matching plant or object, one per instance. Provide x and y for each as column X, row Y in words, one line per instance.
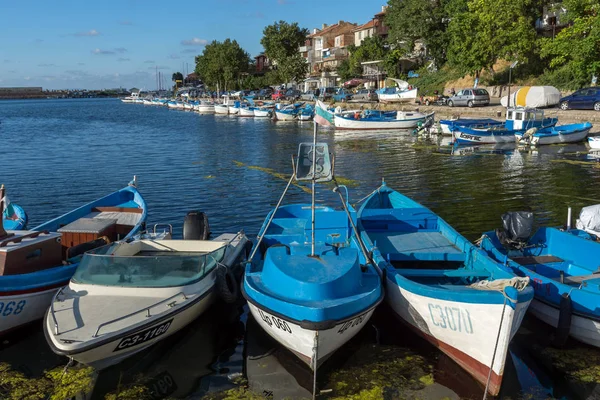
column 29, row 251
column 531, row 260
column 85, row 230
column 432, row 246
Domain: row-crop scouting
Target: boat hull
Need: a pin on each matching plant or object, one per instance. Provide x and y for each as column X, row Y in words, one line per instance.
column 234, row 110
column 400, row 97
column 472, row 342
column 221, row 109
column 301, row 341
column 594, row 142
column 281, row 116
column 365, row 124
column 262, row 113
column 119, row 347
column 17, row 221
column 558, row 134
column 485, row 137
column 202, row 109
column 246, row 112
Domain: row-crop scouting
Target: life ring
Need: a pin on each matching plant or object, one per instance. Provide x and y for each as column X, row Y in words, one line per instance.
column 227, row 285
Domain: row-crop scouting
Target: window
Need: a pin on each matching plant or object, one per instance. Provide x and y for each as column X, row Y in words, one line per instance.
column 155, row 269
column 480, row 92
column 318, row 44
column 459, row 93
column 467, row 93
column 509, row 115
column 519, row 116
column 338, row 41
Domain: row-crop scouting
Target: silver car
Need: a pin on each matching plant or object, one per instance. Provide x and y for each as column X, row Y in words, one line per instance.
column 470, row 98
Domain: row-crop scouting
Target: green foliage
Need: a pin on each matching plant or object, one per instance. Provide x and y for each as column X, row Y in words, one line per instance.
column 56, row 384
column 281, row 41
column 488, row 31
column 177, row 76
column 574, row 54
column 412, row 20
column 135, row 392
column 221, row 63
column 371, row 49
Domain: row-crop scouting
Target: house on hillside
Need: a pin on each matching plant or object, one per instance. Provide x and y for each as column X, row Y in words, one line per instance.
column 553, row 20
column 262, row 62
column 325, row 48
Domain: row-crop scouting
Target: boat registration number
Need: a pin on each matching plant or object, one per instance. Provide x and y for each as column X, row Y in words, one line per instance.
column 143, row 336
column 453, row 318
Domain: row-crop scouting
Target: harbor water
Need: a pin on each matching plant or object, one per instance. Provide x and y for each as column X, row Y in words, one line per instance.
column 60, row 154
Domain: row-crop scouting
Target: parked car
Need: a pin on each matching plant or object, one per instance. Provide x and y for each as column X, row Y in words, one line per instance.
column 365, row 95
column 264, row 94
column 279, row 94
column 327, row 93
column 343, row 95
column 470, row 98
column 583, row 99
column 308, row 96
column 292, row 94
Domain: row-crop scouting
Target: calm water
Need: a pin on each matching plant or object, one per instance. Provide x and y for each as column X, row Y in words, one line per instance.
column 60, row 154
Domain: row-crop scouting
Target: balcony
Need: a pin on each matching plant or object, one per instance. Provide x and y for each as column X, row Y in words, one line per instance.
column 304, row 49
column 335, row 54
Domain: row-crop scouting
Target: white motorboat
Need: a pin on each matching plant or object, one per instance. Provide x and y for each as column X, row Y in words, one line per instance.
column 126, row 296
column 594, row 142
column 206, row 107
column 131, row 99
column 262, row 112
column 234, row 110
column 221, row 109
column 401, row 92
column 246, row 111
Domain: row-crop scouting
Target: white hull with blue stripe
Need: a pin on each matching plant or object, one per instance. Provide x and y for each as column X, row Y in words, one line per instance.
column 571, row 133
column 309, row 343
column 442, row 286
column 473, row 136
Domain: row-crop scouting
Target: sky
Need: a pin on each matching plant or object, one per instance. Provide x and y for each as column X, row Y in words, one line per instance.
column 106, row 44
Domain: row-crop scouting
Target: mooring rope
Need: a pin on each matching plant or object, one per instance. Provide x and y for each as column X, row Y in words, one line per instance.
column 489, row 378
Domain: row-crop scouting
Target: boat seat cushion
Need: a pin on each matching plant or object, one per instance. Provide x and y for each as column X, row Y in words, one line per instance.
column 416, row 245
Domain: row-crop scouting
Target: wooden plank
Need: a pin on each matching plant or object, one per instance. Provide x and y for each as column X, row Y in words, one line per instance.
column 119, row 209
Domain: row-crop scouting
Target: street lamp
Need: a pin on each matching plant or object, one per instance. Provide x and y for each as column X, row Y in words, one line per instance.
column 509, row 81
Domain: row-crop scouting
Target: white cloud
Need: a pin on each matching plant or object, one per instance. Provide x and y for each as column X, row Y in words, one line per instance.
column 91, row 32
column 98, row 51
column 194, row 42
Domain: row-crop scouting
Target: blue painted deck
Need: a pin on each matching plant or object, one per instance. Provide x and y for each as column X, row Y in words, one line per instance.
column 423, row 254
column 285, row 279
column 551, row 251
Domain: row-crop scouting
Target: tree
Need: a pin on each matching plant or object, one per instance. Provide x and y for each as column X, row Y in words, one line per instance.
column 371, row 49
column 281, row 42
column 488, row 31
column 574, row 53
column 222, row 63
column 412, row 20
column 177, row 76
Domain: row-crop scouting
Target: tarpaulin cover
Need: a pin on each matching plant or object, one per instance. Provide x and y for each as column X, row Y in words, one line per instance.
column 589, row 218
column 533, row 96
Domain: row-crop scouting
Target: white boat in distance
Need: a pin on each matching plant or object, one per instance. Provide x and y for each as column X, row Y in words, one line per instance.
column 402, row 92
column 131, row 99
column 379, row 120
column 126, row 296
column 205, row 107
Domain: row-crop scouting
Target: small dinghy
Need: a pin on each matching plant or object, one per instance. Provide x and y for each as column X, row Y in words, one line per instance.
column 35, row 263
column 128, row 295
column 446, row 289
column 380, row 120
column 563, row 265
column 569, row 133
column 13, row 218
column 309, row 284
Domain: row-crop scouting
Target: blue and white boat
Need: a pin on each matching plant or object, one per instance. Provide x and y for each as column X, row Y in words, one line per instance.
column 309, row 284
column 306, row 113
column 570, row 133
column 563, row 267
column 448, row 126
column 380, row 120
column 402, row 91
column 35, row 263
column 518, row 120
column 13, row 218
column 287, row 112
column 442, row 286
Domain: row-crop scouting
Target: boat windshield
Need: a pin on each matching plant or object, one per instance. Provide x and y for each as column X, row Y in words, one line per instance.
column 151, row 269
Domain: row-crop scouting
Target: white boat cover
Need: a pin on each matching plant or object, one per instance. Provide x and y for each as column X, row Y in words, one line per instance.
column 533, row 96
column 589, row 219
column 402, row 85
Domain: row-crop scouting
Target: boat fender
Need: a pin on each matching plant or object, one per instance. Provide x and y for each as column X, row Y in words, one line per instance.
column 564, row 321
column 227, row 285
column 195, row 226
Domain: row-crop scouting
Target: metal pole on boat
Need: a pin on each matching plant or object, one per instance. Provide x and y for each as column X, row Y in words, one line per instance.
column 314, row 175
column 2, row 231
column 569, row 219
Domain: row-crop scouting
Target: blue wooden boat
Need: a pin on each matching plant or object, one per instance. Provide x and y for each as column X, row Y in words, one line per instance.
column 441, row 285
column 307, row 282
column 518, row 120
column 14, row 218
column 563, row 267
column 569, row 133
column 449, row 125
column 35, row 263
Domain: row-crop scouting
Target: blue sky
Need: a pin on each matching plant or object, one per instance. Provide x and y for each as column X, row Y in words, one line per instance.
column 106, row 44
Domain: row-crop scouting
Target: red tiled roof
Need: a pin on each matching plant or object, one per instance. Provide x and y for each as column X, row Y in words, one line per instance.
column 368, row 25
column 326, row 30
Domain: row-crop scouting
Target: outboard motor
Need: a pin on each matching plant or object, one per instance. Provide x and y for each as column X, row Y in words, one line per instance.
column 518, row 226
column 195, row 226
